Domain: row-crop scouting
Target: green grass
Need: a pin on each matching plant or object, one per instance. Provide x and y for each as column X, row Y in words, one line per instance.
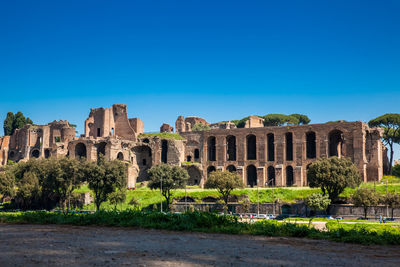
column 147, row 197
column 213, row 223
column 173, row 136
column 317, row 219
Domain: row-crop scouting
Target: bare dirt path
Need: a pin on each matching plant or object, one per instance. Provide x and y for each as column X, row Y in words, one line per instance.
column 52, row 245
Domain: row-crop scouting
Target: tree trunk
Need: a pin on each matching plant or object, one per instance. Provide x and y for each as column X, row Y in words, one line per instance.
column 391, row 159
column 365, row 212
column 392, row 213
column 97, row 206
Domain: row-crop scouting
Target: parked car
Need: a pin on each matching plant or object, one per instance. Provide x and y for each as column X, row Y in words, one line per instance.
column 326, row 217
column 271, row 216
column 262, row 216
column 282, row 216
column 339, row 218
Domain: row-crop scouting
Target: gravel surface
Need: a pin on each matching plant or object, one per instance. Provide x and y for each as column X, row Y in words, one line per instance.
column 53, row 245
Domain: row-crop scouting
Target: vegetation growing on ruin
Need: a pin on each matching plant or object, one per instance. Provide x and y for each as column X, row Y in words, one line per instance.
column 200, row 127
column 173, row 136
column 213, row 223
column 276, row 120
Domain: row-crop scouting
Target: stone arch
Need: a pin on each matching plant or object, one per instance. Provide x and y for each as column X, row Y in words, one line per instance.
column 80, row 151
column 231, row 148
column 271, row 147
column 35, row 153
column 311, row 148
column 271, row 176
column 251, row 172
column 306, row 180
column 194, row 175
column 164, row 151
column 47, row 153
column 231, row 168
column 251, row 142
column 289, row 176
column 120, row 156
column 210, row 169
column 143, row 160
column 335, row 139
column 289, row 146
column 101, row 149
column 211, row 147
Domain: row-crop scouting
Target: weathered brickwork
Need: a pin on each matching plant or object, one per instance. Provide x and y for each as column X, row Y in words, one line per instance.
column 261, row 155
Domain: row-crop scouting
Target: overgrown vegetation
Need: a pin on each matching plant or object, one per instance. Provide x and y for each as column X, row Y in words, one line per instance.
column 173, row 136
column 15, row 121
column 213, row 223
column 276, row 120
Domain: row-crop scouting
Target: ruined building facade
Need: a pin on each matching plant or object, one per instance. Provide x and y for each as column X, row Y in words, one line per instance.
column 262, row 156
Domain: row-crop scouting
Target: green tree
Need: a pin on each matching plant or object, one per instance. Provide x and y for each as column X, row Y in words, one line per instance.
column 68, row 179
column 224, row 182
column 8, row 124
column 104, row 177
column 390, row 122
column 333, row 175
column 279, row 120
column 168, row 177
column 201, row 127
column 15, row 121
column 117, row 197
column 317, row 202
column 392, row 200
column 303, row 119
column 365, row 197
column 396, row 170
column 7, row 184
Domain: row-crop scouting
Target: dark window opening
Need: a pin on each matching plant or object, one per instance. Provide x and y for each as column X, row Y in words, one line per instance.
column 189, row 158
column 335, row 143
column 251, row 147
column 289, row 146
column 231, row 148
column 210, row 170
column 98, row 132
column 120, row 156
column 57, row 139
column 196, row 154
column 80, row 151
column 146, row 140
column 46, row 153
column 289, row 176
column 271, row 147
column 101, row 149
column 311, row 149
column 212, row 150
column 144, row 162
column 164, row 151
column 35, row 153
column 251, row 176
column 231, row 168
column 271, row 176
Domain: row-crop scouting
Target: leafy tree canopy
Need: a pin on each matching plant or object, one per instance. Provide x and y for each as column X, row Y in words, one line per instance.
column 365, row 197
column 333, row 175
column 201, row 127
column 15, row 121
column 224, row 182
column 303, row 119
column 276, row 120
column 168, row 177
column 318, row 201
column 390, row 122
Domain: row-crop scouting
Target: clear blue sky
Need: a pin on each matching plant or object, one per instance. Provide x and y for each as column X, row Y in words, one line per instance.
column 219, row 60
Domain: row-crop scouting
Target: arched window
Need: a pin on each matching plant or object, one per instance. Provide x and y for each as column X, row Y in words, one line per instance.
column 212, row 150
column 120, row 156
column 271, row 147
column 289, row 176
column 231, row 168
column 164, row 151
column 231, row 148
column 189, row 158
column 311, row 149
column 210, row 169
column 251, row 147
column 335, row 143
column 80, row 150
column 289, row 146
column 251, row 175
column 271, row 176
column 194, row 176
column 35, row 153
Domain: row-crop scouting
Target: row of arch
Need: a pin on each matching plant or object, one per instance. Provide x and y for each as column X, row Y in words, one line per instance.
column 335, row 139
column 251, row 175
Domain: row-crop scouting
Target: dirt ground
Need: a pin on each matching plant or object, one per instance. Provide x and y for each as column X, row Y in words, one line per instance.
column 52, row 245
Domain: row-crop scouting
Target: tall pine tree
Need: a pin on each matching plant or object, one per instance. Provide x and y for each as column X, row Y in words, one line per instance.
column 15, row 121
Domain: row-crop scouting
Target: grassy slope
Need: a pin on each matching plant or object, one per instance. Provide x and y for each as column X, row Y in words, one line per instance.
column 147, row 197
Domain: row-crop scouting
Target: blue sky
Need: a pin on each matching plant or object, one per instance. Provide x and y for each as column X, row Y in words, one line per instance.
column 219, row 60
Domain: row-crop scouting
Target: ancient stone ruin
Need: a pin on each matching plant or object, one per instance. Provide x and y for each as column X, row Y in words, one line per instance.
column 262, row 156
